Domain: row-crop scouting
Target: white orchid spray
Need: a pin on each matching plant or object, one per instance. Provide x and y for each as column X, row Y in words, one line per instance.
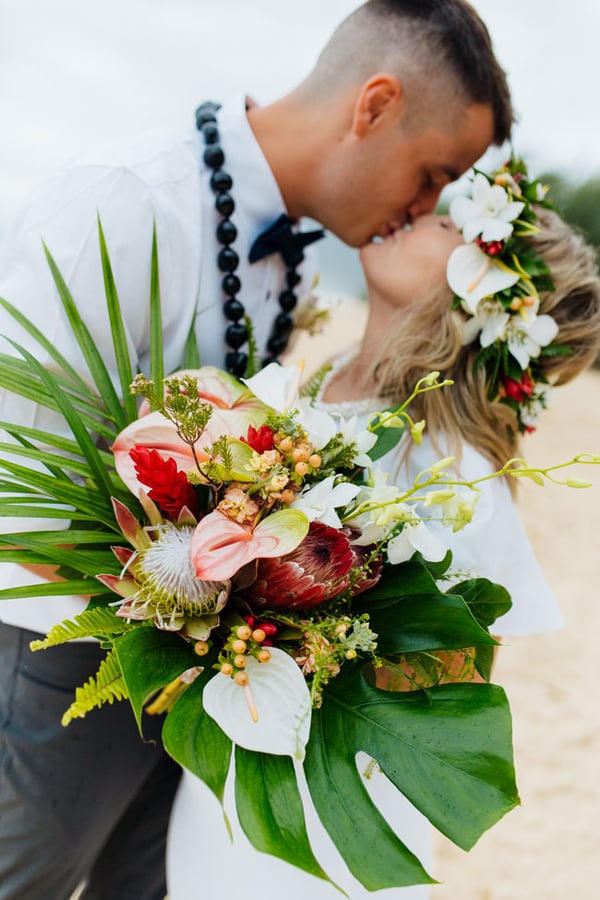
column 496, row 278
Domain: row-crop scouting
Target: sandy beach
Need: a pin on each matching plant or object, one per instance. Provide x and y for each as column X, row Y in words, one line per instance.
column 547, row 848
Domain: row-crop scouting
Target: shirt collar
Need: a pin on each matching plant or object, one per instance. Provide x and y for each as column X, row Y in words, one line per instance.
column 254, row 185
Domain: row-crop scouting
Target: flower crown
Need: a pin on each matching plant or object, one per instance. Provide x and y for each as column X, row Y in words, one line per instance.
column 497, row 277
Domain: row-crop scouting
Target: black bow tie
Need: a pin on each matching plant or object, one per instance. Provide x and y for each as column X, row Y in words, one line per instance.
column 279, row 238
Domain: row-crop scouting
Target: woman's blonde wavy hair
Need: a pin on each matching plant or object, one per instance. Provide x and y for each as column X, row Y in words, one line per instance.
column 429, row 338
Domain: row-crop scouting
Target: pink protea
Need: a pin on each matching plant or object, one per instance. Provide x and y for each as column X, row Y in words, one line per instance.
column 317, row 570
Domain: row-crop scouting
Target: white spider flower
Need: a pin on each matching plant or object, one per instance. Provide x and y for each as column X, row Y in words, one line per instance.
column 415, row 537
column 362, row 439
column 527, row 333
column 319, row 502
column 530, row 412
column 488, row 212
column 489, row 322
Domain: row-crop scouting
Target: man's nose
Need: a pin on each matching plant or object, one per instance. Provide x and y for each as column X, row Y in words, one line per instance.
column 425, row 202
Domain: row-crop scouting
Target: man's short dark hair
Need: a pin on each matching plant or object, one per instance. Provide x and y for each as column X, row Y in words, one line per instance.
column 463, row 43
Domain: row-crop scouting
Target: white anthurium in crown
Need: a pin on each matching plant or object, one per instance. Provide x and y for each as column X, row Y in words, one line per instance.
column 271, row 713
column 473, row 275
column 527, row 333
column 488, row 213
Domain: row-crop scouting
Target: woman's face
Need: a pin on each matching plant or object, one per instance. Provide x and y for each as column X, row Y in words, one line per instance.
column 406, row 266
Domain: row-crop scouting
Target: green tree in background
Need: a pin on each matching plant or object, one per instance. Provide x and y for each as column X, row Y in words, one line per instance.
column 579, row 204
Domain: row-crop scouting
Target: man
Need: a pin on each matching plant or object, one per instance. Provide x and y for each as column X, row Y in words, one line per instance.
column 404, row 98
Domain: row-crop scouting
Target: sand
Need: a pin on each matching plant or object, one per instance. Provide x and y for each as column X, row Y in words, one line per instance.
column 547, row 848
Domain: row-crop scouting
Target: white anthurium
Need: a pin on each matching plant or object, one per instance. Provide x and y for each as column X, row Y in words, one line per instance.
column 362, row 439
column 319, row 502
column 271, row 714
column 473, row 275
column 277, row 386
column 415, row 536
column 489, row 323
column 488, row 212
column 528, row 333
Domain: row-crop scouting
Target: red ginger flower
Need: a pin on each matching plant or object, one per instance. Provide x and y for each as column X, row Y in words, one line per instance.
column 260, row 439
column 169, row 487
column 317, row 570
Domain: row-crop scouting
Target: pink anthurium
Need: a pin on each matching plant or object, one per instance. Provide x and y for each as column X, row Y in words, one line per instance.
column 154, row 432
column 220, row 546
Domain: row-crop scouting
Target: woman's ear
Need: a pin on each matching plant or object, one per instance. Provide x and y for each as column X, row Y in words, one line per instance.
column 380, row 98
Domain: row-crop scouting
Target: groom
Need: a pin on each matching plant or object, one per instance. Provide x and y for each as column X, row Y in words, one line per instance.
column 403, row 99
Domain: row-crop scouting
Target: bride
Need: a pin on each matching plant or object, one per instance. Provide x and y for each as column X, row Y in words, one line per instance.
column 412, row 329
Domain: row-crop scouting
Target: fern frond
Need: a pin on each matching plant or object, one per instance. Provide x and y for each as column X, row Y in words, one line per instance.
column 90, row 623
column 106, row 686
column 313, row 385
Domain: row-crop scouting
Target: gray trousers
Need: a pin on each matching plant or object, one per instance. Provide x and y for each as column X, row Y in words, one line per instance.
column 87, row 802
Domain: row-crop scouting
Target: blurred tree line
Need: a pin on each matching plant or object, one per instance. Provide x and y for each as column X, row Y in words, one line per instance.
column 579, row 204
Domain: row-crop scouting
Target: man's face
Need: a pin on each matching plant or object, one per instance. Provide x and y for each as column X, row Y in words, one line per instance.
column 391, row 176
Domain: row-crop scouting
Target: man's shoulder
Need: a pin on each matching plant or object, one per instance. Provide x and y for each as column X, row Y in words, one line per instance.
column 153, row 157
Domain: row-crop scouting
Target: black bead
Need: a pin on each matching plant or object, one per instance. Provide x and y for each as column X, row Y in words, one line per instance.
column 233, row 309
column 236, row 363
column 276, row 345
column 236, row 335
column 214, row 156
column 294, row 257
column 268, row 360
column 227, row 260
column 287, row 300
column 221, row 181
column 293, row 278
column 226, row 232
column 224, row 203
column 206, row 113
column 282, row 325
column 231, row 285
column 210, row 133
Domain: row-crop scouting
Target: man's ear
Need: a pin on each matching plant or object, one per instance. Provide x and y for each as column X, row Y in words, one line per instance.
column 379, row 98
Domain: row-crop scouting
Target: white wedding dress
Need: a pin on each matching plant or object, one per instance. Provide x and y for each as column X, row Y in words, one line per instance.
column 202, row 861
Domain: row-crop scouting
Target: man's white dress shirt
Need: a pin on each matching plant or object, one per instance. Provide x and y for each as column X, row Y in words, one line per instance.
column 158, row 178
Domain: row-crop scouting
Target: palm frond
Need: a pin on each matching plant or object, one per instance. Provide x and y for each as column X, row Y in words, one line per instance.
column 191, row 355
column 80, row 432
column 92, row 356
column 117, row 327
column 157, row 368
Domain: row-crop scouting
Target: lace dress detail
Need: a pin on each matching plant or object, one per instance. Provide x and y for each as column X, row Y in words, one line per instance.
column 363, row 407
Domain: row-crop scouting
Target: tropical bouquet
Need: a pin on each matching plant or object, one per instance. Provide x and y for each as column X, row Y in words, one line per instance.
column 254, row 576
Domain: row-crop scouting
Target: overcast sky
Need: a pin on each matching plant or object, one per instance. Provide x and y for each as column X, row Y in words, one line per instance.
column 76, row 71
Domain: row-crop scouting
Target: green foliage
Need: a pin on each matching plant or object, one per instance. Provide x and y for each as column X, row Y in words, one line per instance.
column 106, row 686
column 98, row 622
column 270, row 808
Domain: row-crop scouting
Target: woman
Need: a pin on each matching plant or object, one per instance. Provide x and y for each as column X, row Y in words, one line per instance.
column 504, row 335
